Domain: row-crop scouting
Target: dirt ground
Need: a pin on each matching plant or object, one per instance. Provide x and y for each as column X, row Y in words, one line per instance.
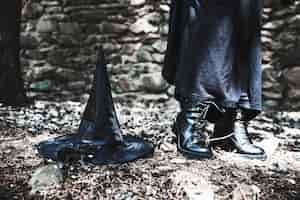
column 149, row 116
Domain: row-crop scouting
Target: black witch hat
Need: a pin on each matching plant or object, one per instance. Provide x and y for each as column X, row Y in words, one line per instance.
column 100, row 139
column 100, row 121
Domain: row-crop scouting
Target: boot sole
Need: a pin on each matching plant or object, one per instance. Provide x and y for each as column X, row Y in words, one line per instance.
column 249, row 156
column 230, row 145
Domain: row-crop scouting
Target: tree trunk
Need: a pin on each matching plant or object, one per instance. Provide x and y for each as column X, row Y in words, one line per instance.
column 11, row 83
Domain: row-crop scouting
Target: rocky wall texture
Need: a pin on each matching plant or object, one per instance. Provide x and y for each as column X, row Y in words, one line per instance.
column 281, row 56
column 60, row 38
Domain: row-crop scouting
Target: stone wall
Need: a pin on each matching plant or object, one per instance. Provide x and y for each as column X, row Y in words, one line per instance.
column 281, row 42
column 60, row 38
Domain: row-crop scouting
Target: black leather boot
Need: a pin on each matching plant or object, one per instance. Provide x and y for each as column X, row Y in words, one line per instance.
column 192, row 141
column 234, row 123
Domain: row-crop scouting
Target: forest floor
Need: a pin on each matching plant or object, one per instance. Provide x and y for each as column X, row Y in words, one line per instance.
column 166, row 175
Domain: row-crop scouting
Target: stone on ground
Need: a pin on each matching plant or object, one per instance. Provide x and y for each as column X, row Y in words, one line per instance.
column 246, row 192
column 45, row 178
column 154, row 83
column 194, row 185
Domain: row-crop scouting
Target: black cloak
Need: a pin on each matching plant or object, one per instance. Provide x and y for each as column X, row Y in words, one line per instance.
column 214, row 52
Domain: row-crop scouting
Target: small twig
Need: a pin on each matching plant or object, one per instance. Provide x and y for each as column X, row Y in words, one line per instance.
column 11, row 139
column 242, row 193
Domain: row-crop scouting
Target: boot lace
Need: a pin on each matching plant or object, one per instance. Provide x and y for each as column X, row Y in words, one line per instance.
column 199, row 113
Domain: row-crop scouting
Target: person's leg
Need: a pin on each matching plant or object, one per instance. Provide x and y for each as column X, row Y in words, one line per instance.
column 236, row 120
column 204, row 72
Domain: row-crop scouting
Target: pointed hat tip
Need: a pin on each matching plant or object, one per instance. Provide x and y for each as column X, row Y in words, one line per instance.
column 100, row 55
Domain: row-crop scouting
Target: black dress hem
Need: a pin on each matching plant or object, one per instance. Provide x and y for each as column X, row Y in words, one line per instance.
column 251, row 111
